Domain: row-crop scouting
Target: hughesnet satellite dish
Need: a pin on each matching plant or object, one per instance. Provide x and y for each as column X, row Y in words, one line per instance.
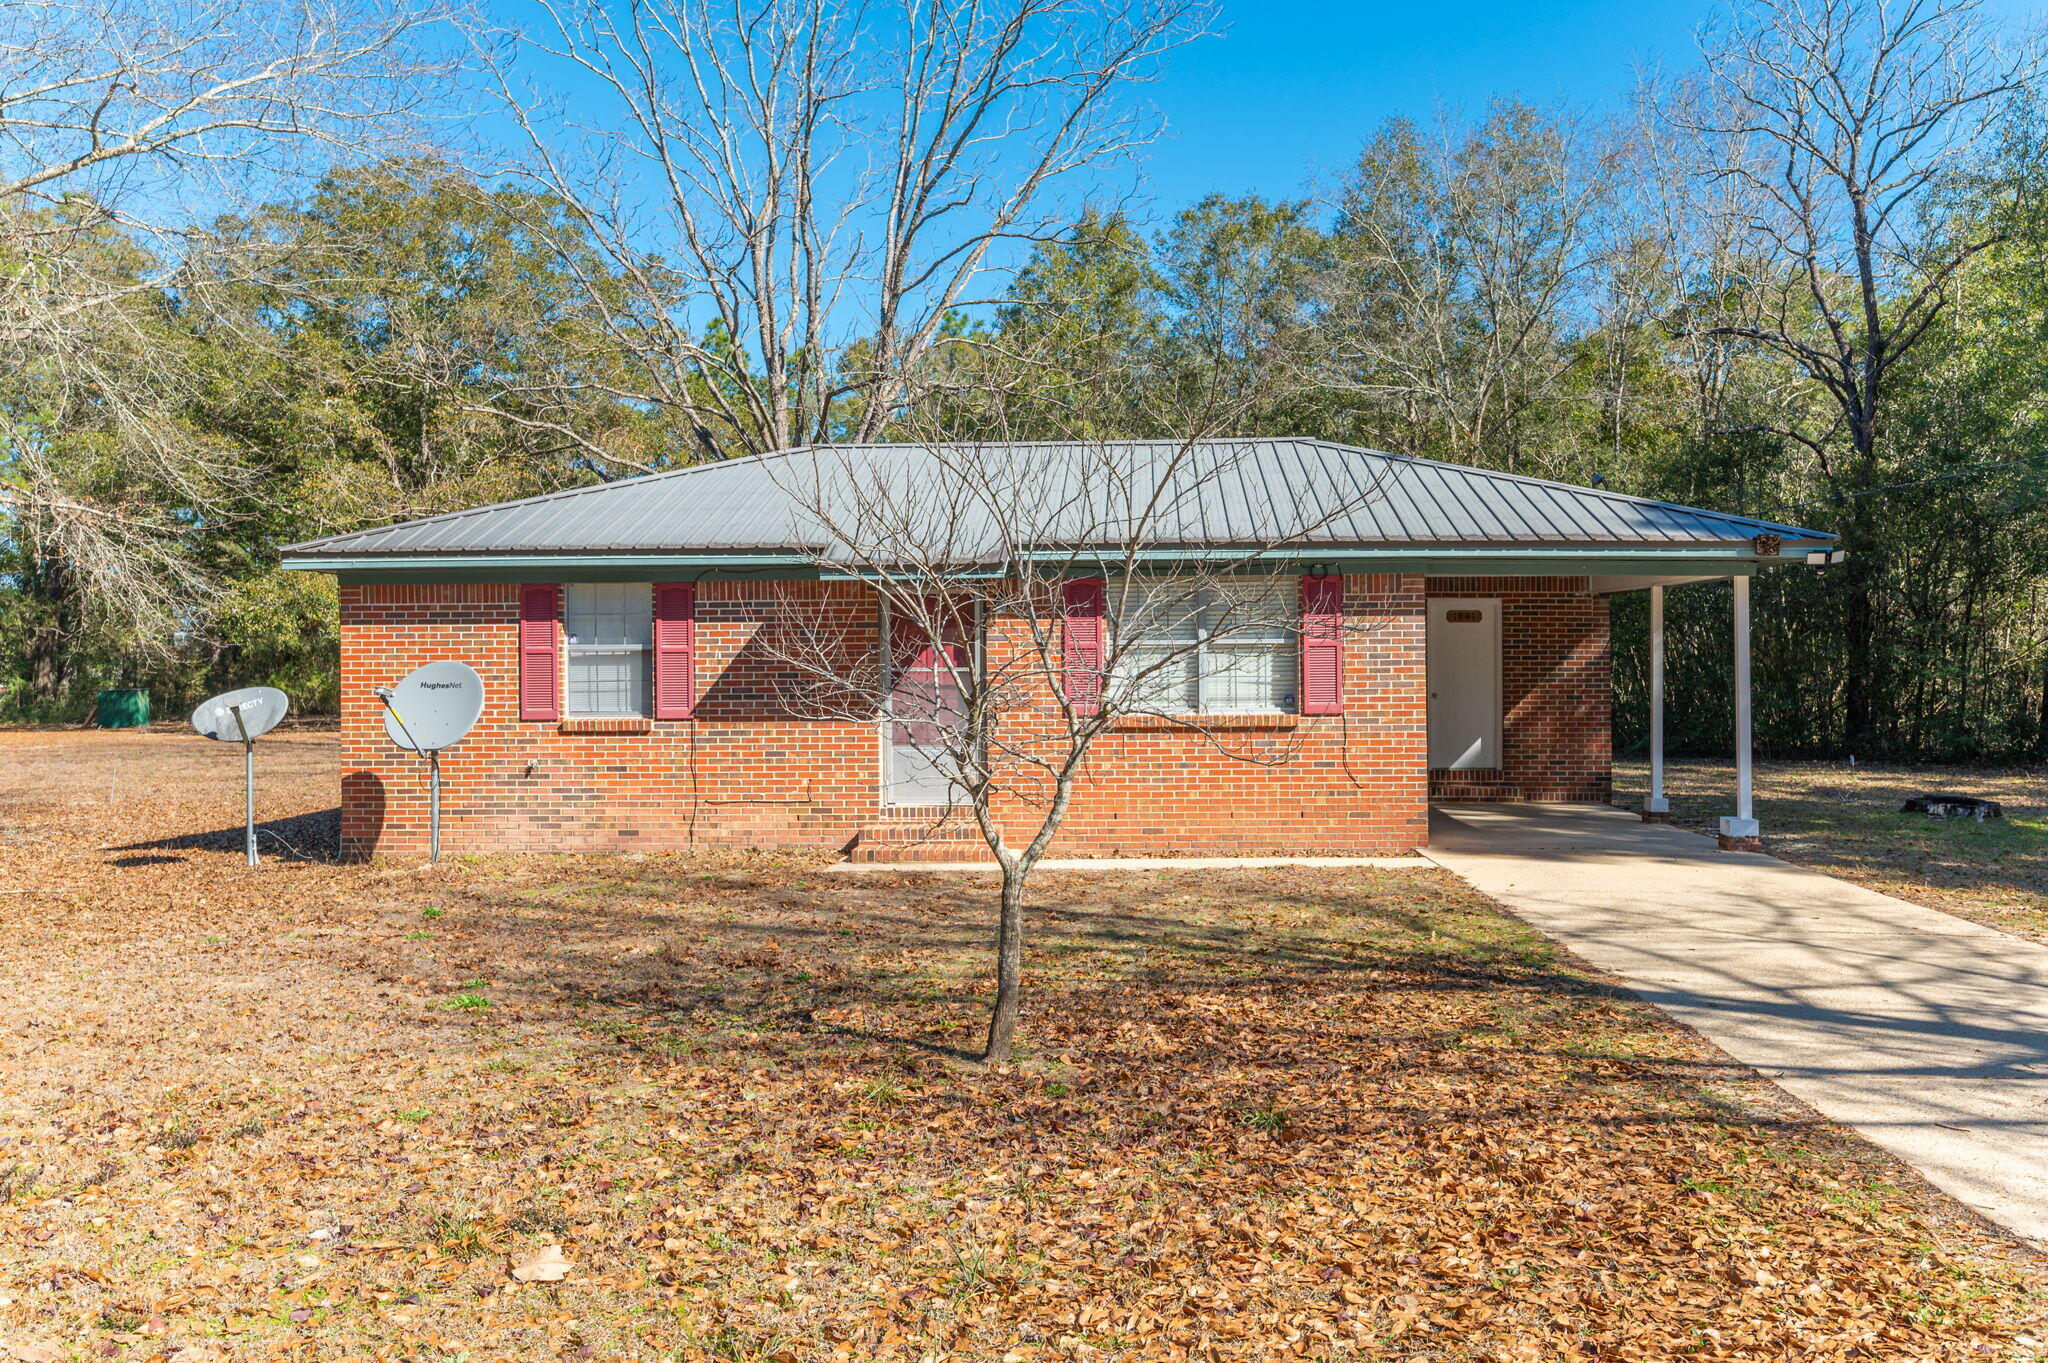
column 433, row 707
column 431, row 710
column 242, row 717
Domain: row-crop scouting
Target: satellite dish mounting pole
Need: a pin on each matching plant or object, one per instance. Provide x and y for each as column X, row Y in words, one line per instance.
column 248, row 786
column 434, row 805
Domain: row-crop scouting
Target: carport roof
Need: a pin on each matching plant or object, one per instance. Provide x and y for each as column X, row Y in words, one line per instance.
column 1223, row 494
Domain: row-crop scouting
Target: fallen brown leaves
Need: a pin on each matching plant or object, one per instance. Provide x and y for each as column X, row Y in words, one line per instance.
column 707, row 1109
column 1846, row 821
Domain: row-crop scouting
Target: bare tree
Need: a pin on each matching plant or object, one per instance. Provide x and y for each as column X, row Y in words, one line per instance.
column 1467, row 259
column 800, row 192
column 151, row 116
column 985, row 559
column 1829, row 129
column 126, row 126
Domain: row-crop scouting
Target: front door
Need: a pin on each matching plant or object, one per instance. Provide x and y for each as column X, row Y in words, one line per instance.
column 924, row 710
column 1464, row 683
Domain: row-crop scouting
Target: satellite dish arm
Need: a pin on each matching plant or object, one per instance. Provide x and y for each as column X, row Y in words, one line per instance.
column 384, row 694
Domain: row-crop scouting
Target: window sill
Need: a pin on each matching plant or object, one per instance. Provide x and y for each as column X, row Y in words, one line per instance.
column 1208, row 723
column 607, row 724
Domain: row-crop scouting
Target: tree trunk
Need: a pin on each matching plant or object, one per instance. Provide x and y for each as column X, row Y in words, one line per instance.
column 45, row 652
column 1002, row 1025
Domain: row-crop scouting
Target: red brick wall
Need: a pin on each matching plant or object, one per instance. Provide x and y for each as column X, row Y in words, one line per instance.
column 1556, row 686
column 742, row 772
column 746, row 771
column 1350, row 784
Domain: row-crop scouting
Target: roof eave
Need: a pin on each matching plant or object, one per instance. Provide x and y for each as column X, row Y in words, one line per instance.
column 1462, row 559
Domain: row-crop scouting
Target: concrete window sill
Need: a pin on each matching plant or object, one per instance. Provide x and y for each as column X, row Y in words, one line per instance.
column 1207, row 723
column 613, row 724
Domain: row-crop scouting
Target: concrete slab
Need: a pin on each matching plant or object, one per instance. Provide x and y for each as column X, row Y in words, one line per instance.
column 1146, row 864
column 1925, row 1032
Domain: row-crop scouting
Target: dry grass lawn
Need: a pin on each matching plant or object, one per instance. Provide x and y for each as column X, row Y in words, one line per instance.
column 319, row 1111
column 1846, row 821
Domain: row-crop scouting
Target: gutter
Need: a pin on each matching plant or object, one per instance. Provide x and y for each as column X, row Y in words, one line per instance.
column 1478, row 561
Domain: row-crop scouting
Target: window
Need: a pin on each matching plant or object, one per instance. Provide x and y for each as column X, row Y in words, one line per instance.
column 1226, row 648
column 610, row 630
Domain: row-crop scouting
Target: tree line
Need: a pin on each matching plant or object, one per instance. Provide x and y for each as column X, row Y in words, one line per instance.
column 1803, row 280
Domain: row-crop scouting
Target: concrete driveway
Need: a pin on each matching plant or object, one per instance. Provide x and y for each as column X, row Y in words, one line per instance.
column 1926, row 1033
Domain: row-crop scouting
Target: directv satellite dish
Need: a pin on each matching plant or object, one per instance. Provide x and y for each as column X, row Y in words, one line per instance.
column 242, row 717
column 238, row 716
column 433, row 707
column 431, row 710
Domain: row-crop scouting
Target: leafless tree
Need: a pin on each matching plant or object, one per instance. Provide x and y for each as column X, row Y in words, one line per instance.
column 1829, row 129
column 125, row 127
column 1467, row 257
column 150, row 116
column 971, row 551
column 800, row 192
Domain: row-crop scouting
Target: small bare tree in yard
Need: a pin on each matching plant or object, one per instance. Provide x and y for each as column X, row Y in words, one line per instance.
column 799, row 193
column 1829, row 129
column 1034, row 597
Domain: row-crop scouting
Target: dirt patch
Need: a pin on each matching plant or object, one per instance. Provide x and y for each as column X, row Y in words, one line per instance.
column 323, row 1111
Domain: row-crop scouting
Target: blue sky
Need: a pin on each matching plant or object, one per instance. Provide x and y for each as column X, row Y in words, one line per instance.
column 1291, row 89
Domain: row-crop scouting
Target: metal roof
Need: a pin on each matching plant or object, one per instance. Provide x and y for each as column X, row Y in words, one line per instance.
column 978, row 499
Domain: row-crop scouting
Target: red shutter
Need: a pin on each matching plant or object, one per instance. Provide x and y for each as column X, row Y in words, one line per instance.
column 1082, row 648
column 540, row 651
column 675, row 650
column 1322, row 645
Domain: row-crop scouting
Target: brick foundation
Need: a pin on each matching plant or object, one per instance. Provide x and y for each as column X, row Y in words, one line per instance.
column 747, row 771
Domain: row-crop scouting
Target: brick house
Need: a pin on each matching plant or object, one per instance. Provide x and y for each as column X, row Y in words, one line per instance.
column 1446, row 639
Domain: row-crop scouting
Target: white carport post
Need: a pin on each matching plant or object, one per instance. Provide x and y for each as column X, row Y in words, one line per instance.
column 1739, row 834
column 1656, row 809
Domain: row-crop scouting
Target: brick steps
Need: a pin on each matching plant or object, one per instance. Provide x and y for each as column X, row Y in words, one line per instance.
column 934, row 836
column 1477, row 793
column 1479, row 786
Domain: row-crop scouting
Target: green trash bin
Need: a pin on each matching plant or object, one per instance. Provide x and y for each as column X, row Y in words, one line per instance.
column 123, row 709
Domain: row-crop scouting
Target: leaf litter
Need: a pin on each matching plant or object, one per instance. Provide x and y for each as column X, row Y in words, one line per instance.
column 714, row 1109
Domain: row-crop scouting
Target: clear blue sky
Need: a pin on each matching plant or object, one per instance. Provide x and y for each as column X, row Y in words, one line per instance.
column 1292, row 89
column 1287, row 91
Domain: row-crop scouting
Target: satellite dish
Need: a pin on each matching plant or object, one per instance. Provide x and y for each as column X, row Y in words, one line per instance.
column 433, row 707
column 429, row 712
column 242, row 717
column 258, row 708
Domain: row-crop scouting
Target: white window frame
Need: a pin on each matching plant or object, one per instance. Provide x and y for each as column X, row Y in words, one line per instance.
column 1279, row 639
column 571, row 650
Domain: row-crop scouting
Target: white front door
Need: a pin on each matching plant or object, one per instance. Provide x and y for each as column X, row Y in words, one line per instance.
column 1464, row 683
